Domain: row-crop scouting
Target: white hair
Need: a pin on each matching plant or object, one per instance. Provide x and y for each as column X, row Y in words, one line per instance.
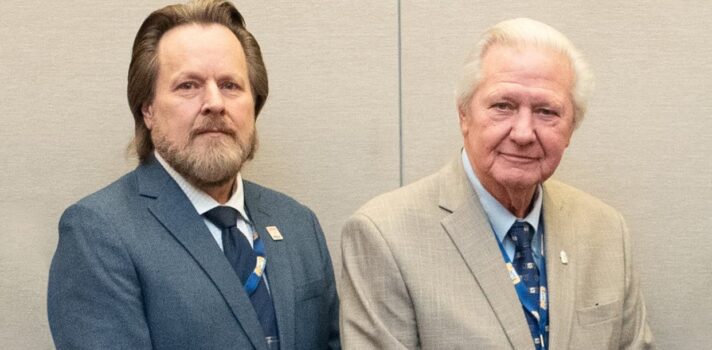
column 520, row 32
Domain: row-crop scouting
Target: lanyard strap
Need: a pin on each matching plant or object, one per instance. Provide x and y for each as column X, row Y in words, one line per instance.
column 540, row 311
column 254, row 280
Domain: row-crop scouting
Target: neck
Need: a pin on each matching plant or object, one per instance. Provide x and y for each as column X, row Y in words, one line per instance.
column 517, row 200
column 221, row 193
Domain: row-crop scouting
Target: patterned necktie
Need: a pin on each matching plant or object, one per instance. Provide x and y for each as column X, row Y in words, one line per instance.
column 243, row 259
column 521, row 234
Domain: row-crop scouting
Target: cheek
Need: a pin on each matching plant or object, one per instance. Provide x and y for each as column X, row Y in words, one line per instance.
column 492, row 134
column 245, row 130
column 243, row 122
column 174, row 127
column 472, row 137
column 242, row 114
column 554, row 147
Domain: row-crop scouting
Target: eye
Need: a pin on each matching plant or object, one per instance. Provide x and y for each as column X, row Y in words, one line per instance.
column 547, row 112
column 503, row 106
column 188, row 85
column 229, row 85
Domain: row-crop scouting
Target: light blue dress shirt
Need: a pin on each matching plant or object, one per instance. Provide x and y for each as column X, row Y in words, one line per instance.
column 501, row 220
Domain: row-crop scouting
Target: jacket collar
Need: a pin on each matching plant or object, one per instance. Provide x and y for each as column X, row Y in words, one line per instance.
column 467, row 225
column 264, row 212
column 170, row 206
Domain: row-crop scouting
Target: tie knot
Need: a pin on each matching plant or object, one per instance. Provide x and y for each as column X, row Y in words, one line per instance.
column 521, row 233
column 223, row 217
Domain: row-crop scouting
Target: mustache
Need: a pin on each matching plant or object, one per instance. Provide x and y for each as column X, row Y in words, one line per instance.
column 213, row 125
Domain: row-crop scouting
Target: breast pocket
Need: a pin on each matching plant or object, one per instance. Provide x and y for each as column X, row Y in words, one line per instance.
column 310, row 290
column 599, row 313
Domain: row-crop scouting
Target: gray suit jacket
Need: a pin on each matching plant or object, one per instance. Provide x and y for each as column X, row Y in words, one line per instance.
column 422, row 269
column 137, row 268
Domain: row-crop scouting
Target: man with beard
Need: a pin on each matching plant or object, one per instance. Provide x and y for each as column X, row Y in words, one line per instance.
column 182, row 253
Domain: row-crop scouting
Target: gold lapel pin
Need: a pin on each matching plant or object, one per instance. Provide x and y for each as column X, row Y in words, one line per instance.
column 274, row 233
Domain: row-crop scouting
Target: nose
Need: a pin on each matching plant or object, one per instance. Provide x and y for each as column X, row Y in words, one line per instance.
column 214, row 103
column 522, row 131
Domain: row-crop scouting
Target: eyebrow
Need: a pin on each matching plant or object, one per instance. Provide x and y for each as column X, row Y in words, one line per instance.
column 198, row 76
column 536, row 98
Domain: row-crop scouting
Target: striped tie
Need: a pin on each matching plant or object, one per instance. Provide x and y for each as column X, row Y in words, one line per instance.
column 243, row 259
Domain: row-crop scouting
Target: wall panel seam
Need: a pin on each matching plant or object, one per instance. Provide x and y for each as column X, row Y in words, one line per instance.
column 400, row 96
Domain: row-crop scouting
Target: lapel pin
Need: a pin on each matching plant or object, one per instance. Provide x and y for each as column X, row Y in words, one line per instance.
column 274, row 233
column 564, row 257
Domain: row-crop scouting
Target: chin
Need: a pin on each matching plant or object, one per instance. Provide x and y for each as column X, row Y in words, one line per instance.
column 206, row 167
column 520, row 183
column 211, row 183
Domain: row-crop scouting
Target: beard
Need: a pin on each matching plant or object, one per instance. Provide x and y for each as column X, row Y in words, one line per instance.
column 207, row 163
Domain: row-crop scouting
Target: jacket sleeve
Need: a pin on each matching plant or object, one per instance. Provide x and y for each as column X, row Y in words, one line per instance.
column 376, row 309
column 332, row 298
column 636, row 333
column 94, row 298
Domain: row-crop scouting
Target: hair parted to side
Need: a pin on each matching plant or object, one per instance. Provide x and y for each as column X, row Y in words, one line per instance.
column 521, row 32
column 143, row 69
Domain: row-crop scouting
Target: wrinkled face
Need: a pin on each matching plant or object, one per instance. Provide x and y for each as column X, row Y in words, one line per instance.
column 202, row 118
column 520, row 118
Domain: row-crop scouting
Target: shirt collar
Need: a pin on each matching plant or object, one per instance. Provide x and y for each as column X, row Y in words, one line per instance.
column 202, row 202
column 499, row 217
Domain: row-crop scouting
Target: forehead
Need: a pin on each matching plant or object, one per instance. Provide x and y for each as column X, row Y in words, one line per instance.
column 529, row 66
column 192, row 44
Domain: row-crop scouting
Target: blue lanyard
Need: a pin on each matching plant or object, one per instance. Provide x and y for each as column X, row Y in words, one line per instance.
column 254, row 280
column 540, row 311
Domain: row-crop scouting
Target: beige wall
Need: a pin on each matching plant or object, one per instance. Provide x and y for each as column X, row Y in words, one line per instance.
column 346, row 94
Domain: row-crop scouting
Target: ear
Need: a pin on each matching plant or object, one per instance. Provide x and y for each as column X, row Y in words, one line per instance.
column 568, row 140
column 147, row 111
column 462, row 116
column 570, row 132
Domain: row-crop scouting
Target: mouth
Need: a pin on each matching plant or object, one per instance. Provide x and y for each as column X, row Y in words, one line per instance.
column 518, row 158
column 212, row 132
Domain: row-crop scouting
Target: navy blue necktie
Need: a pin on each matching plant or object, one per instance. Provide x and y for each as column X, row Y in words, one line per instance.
column 521, row 234
column 243, row 259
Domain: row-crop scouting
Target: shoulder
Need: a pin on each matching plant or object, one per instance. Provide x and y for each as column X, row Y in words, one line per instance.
column 298, row 224
column 562, row 200
column 274, row 200
column 564, row 194
column 113, row 198
column 268, row 207
column 429, row 198
column 100, row 220
column 398, row 213
column 419, row 196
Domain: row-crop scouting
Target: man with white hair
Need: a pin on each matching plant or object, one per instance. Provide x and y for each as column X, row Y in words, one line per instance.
column 488, row 253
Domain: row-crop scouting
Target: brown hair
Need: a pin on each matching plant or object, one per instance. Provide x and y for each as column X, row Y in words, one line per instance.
column 143, row 69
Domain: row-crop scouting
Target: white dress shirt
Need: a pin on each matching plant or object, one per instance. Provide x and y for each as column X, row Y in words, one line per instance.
column 203, row 203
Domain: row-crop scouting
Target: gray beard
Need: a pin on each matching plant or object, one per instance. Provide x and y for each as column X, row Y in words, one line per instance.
column 213, row 166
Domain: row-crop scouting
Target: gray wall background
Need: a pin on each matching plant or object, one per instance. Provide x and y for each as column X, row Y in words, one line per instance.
column 361, row 102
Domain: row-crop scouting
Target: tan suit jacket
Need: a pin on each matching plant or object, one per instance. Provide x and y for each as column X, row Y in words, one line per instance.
column 422, row 270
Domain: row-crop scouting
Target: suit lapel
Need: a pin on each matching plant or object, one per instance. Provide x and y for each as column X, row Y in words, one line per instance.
column 279, row 269
column 560, row 237
column 468, row 227
column 173, row 210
